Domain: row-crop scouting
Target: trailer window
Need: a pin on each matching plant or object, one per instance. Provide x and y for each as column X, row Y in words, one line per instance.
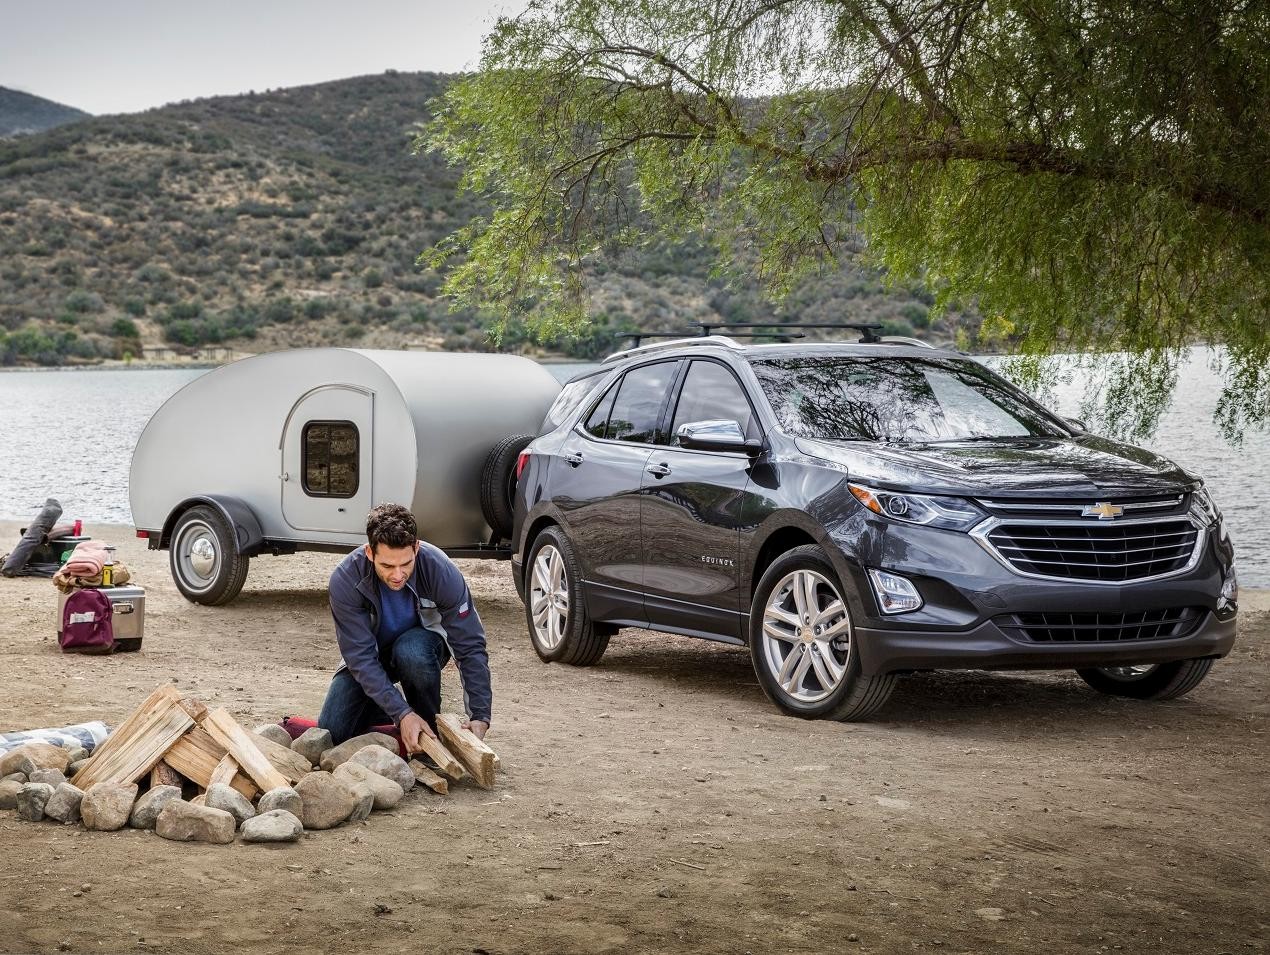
column 329, row 458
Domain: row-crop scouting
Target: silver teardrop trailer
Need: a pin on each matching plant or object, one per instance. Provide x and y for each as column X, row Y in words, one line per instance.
column 288, row 451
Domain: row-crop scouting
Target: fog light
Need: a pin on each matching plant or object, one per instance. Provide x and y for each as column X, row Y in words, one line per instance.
column 1228, row 600
column 895, row 594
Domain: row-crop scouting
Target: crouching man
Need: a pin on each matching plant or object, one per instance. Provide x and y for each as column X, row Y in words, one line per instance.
column 402, row 609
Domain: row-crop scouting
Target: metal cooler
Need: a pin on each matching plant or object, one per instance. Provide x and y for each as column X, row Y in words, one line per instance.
column 128, row 617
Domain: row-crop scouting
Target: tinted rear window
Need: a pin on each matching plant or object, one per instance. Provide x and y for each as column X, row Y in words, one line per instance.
column 898, row 400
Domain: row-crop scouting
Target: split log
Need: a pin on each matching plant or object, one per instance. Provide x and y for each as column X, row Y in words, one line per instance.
column 475, row 756
column 242, row 746
column 444, row 759
column 285, row 760
column 196, row 756
column 139, row 743
column 224, row 772
column 427, row 777
column 164, row 775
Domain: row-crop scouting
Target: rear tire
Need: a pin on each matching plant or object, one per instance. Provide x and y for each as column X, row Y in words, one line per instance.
column 1160, row 681
column 802, row 642
column 498, row 484
column 559, row 627
column 204, row 558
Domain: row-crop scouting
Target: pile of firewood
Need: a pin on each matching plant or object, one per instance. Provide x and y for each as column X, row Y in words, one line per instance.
column 176, row 744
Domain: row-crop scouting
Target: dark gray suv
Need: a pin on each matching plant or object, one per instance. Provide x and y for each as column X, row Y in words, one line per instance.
column 852, row 512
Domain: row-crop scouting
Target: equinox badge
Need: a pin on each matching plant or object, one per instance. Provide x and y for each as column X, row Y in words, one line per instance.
column 1104, row 511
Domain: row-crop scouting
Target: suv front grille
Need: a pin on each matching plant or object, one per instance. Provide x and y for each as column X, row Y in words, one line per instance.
column 1100, row 627
column 1099, row 552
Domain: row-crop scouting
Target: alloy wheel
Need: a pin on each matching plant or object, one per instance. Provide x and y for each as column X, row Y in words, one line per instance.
column 549, row 597
column 806, row 636
column 1129, row 674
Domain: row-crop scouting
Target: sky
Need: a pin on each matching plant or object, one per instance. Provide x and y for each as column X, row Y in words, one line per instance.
column 123, row 56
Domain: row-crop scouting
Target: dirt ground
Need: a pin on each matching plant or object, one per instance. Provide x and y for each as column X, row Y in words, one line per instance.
column 657, row 802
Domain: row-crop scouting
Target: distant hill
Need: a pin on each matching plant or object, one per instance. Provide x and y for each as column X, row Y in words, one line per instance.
column 22, row 113
column 293, row 218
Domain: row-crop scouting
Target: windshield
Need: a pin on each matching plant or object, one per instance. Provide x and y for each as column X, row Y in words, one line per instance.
column 910, row 400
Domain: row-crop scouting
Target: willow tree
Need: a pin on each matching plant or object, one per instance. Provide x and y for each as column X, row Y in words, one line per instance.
column 1094, row 176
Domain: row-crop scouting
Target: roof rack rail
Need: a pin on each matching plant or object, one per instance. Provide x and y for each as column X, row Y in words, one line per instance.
column 675, row 340
column 868, row 330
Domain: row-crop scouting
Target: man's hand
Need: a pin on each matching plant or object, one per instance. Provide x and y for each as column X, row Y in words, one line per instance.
column 413, row 729
column 478, row 727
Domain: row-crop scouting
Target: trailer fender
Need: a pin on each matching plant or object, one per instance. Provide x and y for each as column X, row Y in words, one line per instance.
column 249, row 538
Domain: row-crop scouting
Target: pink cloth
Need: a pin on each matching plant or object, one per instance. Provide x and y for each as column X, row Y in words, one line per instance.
column 87, row 559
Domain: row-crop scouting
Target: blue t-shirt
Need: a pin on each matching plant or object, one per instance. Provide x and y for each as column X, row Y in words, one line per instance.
column 399, row 613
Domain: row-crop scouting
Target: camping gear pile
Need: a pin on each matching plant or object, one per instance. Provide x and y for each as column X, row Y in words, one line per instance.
column 195, row 775
column 41, row 550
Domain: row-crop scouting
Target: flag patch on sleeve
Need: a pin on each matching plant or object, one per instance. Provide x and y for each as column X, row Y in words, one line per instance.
column 465, row 608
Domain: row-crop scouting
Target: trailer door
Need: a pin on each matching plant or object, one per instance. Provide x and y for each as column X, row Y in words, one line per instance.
column 326, row 460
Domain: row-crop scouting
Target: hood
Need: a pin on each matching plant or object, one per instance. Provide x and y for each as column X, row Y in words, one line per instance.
column 1081, row 466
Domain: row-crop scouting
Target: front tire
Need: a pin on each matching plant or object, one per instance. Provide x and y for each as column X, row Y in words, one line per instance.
column 205, row 562
column 802, row 642
column 559, row 626
column 1159, row 681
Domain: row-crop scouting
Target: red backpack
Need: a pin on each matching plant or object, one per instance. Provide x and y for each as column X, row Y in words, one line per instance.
column 86, row 623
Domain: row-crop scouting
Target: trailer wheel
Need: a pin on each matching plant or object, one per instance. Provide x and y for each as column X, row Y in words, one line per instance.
column 206, row 565
column 498, row 484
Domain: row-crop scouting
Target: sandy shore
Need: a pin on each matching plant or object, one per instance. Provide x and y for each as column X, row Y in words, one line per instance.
column 658, row 803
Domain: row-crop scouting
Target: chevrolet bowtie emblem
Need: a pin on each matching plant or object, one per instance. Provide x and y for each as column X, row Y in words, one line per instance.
column 1104, row 511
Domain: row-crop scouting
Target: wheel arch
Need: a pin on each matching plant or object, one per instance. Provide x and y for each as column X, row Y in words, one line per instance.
column 248, row 536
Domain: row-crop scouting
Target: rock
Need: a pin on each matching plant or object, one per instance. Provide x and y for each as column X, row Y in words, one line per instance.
column 274, row 733
column 184, row 822
column 327, row 801
column 76, row 766
column 15, row 778
column 364, row 800
column 342, row 753
column 221, row 796
column 285, row 798
column 9, row 789
column 107, row 806
column 75, row 753
column 389, row 765
column 53, row 777
column 312, row 743
column 276, row 825
column 29, row 757
column 32, row 798
column 63, row 805
column 145, row 813
column 387, row 792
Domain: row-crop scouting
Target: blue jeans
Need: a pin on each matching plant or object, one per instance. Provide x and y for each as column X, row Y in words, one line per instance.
column 414, row 660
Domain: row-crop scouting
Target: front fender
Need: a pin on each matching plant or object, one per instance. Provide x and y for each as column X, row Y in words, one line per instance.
column 248, row 536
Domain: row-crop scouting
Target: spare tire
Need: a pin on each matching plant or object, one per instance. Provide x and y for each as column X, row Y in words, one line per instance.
column 498, row 484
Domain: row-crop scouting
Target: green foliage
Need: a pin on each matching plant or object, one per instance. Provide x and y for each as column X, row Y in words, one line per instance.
column 1091, row 175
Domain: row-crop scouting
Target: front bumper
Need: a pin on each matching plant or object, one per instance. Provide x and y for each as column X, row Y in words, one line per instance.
column 988, row 647
column 969, row 596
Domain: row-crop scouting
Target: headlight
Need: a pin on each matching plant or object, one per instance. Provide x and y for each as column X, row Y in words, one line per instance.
column 952, row 513
column 1203, row 508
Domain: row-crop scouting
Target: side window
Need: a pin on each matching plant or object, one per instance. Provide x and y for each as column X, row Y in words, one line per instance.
column 328, row 458
column 568, row 401
column 598, row 421
column 711, row 393
column 638, row 404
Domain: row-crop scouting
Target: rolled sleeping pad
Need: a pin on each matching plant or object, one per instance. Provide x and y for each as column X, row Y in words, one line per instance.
column 16, row 565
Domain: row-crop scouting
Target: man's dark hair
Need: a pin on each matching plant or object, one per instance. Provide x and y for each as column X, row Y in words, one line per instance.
column 391, row 525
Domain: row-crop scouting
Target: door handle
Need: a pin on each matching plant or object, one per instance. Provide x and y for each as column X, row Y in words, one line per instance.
column 574, row 458
column 658, row 470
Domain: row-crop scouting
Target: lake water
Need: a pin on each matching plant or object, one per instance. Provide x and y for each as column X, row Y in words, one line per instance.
column 69, row 434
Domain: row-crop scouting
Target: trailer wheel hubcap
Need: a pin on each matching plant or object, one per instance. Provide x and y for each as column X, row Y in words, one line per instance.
column 197, row 554
column 549, row 597
column 806, row 636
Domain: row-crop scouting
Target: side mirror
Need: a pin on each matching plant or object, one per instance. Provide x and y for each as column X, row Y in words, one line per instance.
column 716, row 436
